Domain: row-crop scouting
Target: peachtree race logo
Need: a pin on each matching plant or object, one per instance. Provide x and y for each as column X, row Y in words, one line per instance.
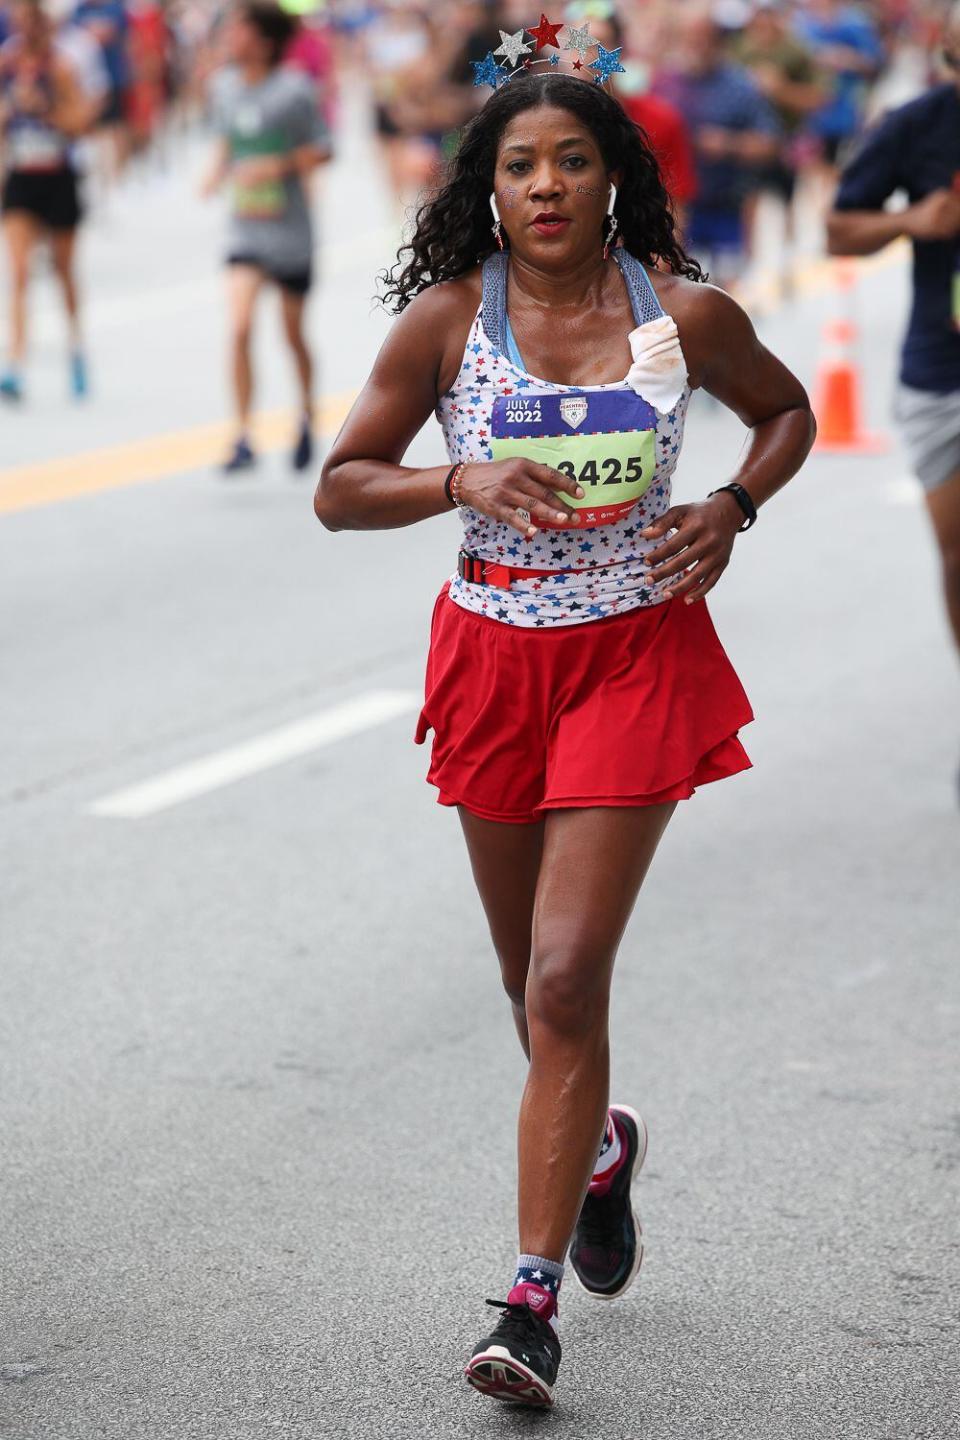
column 573, row 410
column 523, row 411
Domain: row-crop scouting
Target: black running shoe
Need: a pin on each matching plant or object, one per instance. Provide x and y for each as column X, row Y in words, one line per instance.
column 241, row 457
column 607, row 1245
column 303, row 450
column 519, row 1361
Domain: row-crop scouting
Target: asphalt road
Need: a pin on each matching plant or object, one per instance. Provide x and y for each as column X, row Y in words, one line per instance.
column 257, row 1079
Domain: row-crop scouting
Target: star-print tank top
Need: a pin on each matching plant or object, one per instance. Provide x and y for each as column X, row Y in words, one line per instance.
column 620, row 448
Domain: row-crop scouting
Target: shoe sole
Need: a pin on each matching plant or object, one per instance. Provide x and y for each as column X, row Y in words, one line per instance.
column 641, row 1155
column 497, row 1373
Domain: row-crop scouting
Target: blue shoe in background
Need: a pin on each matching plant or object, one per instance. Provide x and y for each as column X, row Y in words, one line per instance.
column 11, row 387
column 79, row 377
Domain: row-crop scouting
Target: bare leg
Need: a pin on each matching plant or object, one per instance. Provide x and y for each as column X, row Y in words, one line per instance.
column 63, row 243
column 293, row 312
column 244, row 283
column 21, row 233
column 506, row 866
column 594, row 862
column 943, row 505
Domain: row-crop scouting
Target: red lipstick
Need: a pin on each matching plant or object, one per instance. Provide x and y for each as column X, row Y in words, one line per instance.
column 550, row 222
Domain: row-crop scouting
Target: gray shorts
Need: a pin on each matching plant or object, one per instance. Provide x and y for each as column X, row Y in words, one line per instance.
column 930, row 426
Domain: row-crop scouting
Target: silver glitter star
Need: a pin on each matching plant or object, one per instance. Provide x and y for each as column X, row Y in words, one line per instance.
column 580, row 40
column 513, row 46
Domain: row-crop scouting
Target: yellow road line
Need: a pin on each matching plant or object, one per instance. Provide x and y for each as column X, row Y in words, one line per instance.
column 45, row 482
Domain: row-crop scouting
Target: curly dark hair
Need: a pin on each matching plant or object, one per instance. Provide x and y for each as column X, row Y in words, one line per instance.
column 453, row 229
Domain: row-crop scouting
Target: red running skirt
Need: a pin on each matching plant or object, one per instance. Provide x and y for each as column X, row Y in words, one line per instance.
column 636, row 709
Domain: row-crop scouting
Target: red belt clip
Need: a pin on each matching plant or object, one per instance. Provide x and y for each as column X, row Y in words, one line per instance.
column 484, row 572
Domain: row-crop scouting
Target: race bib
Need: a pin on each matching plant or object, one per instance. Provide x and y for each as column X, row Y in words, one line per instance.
column 605, row 440
column 260, row 202
column 33, row 146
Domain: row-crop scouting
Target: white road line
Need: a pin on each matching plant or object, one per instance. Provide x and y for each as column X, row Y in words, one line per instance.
column 223, row 767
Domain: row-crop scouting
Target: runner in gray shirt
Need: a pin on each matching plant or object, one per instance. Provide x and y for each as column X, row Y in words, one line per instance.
column 271, row 136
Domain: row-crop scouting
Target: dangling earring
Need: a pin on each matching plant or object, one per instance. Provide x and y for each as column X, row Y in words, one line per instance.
column 614, row 225
column 497, row 224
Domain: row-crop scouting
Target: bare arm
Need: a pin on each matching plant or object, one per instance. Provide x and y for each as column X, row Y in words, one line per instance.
column 363, row 486
column 725, row 357
column 217, row 170
column 864, row 232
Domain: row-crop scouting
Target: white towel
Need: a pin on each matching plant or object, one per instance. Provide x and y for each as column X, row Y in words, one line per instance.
column 659, row 371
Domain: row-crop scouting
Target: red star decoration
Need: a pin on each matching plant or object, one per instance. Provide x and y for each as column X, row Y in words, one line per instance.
column 546, row 33
column 578, row 64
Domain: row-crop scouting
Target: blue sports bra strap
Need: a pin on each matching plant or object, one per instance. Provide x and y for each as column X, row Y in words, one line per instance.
column 643, row 298
column 494, row 313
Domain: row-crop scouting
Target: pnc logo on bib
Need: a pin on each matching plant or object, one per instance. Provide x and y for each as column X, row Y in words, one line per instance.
column 573, row 410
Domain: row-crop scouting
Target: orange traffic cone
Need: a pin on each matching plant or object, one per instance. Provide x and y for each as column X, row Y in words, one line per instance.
column 837, row 398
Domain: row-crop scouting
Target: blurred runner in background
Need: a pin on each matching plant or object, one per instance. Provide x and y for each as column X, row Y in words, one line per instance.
column 272, row 137
column 784, row 70
column 916, row 148
column 43, row 108
column 109, row 24
column 735, row 137
column 150, row 43
column 661, row 122
column 847, row 50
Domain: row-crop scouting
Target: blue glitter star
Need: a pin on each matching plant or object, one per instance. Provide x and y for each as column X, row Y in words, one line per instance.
column 487, row 71
column 606, row 64
column 554, row 61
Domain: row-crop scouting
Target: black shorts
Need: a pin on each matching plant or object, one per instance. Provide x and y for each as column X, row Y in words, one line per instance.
column 50, row 196
column 298, row 282
column 778, row 178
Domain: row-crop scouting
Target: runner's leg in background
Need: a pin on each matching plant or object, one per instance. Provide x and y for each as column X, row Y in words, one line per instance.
column 244, row 283
column 21, row 232
column 943, row 505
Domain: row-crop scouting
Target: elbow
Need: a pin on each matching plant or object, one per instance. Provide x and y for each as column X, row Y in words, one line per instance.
column 838, row 239
column 324, row 504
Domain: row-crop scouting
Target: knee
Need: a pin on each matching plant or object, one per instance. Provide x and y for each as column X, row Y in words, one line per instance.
column 513, row 975
column 568, row 992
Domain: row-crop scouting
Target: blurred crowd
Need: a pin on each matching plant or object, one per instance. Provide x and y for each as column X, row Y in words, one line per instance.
column 739, row 96
column 745, row 101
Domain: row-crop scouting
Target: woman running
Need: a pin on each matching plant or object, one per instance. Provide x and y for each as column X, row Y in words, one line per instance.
column 43, row 109
column 575, row 686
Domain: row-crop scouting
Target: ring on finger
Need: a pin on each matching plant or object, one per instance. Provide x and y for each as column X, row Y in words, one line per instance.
column 523, row 515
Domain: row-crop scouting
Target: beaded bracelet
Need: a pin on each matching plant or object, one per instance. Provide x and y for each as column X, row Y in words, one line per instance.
column 453, row 483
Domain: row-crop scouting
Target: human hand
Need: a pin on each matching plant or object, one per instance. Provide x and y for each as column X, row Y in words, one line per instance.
column 699, row 549
column 935, row 217
column 502, row 489
column 714, row 142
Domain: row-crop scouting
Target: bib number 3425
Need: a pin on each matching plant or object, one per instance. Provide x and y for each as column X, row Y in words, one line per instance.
column 604, row 440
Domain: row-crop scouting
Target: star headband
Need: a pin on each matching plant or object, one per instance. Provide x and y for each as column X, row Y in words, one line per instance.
column 519, row 55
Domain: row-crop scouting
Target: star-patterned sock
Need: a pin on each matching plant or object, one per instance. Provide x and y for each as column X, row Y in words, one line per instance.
column 611, row 1157
column 538, row 1285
